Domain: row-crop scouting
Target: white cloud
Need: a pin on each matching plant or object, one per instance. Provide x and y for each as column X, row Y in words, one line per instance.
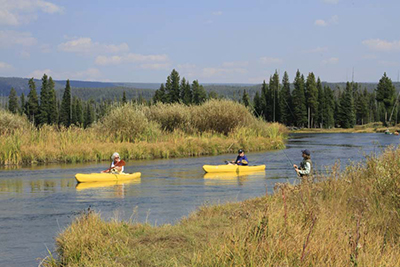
column 85, row 75
column 155, row 66
column 10, row 38
column 131, row 58
column 320, row 22
column 331, row 1
column 217, row 13
column 45, row 48
column 85, row 45
column 382, row 45
column 330, row 61
column 16, row 12
column 271, row 60
column 24, row 54
column 5, row 66
column 369, row 56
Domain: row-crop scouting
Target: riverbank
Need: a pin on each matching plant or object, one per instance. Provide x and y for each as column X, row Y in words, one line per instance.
column 376, row 127
column 141, row 132
column 346, row 218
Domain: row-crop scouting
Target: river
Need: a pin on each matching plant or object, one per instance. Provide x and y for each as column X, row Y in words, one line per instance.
column 37, row 203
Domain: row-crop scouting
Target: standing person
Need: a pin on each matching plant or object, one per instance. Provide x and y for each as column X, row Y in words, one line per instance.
column 241, row 159
column 305, row 166
column 117, row 165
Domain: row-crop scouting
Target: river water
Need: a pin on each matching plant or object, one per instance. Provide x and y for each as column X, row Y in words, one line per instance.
column 37, row 203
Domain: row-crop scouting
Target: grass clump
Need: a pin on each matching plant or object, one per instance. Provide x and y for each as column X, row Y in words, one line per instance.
column 348, row 218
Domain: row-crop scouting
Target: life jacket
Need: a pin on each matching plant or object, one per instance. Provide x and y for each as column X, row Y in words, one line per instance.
column 303, row 166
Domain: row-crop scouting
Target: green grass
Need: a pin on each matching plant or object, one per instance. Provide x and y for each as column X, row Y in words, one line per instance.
column 348, row 218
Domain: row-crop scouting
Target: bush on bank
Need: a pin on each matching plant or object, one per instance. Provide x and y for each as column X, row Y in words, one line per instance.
column 141, row 132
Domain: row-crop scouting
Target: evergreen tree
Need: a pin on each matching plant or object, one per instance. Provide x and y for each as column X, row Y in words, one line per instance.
column 160, row 95
column 285, row 100
column 22, row 109
column 311, row 92
column 274, row 93
column 186, row 92
column 321, row 104
column 199, row 94
column 124, row 100
column 328, row 108
column 346, row 108
column 246, row 98
column 299, row 102
column 264, row 101
column 44, row 102
column 257, row 104
column 212, row 95
column 32, row 106
column 53, row 107
column 89, row 114
column 386, row 94
column 172, row 87
column 79, row 113
column 13, row 101
column 65, row 112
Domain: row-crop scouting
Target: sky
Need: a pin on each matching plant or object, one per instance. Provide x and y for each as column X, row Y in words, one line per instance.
column 209, row 41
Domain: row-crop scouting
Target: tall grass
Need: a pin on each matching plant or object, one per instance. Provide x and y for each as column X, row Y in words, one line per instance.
column 141, row 132
column 348, row 218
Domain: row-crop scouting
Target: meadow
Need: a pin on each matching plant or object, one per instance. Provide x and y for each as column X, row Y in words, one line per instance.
column 344, row 218
column 140, row 132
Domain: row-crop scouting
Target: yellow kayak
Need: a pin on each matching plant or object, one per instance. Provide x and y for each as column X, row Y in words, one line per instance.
column 104, row 177
column 232, row 168
column 82, row 186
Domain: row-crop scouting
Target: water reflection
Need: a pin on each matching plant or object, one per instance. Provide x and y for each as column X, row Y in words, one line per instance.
column 112, row 189
column 231, row 178
column 35, row 186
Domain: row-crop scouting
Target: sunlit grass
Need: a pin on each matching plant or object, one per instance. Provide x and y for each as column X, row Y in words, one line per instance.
column 141, row 132
column 348, row 218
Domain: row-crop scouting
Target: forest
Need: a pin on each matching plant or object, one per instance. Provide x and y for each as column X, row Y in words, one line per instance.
column 306, row 102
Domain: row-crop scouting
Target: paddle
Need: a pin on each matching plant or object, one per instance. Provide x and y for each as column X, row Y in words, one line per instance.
column 120, row 163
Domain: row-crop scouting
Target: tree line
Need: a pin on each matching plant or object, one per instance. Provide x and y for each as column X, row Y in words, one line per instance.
column 309, row 104
column 304, row 103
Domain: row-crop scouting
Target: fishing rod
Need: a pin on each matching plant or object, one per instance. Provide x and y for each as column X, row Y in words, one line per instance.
column 291, row 162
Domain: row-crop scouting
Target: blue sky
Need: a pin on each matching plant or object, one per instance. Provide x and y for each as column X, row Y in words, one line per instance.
column 212, row 41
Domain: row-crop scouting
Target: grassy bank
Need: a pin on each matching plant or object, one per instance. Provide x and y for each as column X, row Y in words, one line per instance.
column 375, row 127
column 141, row 132
column 349, row 218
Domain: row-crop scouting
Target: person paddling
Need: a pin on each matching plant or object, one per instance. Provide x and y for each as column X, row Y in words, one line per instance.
column 117, row 165
column 305, row 169
column 241, row 159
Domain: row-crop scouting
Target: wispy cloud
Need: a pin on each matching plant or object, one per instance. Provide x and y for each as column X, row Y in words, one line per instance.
column 219, row 72
column 271, row 60
column 330, row 61
column 217, row 13
column 16, row 12
column 235, row 64
column 322, row 23
column 11, row 38
column 5, row 66
column 369, row 56
column 131, row 58
column 85, row 45
column 90, row 74
column 382, row 45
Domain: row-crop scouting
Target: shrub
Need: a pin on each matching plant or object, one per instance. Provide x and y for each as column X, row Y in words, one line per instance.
column 10, row 122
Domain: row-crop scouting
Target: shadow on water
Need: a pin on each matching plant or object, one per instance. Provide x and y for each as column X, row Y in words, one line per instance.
column 37, row 203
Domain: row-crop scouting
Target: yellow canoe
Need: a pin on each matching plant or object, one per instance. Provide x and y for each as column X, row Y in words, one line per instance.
column 232, row 168
column 104, row 177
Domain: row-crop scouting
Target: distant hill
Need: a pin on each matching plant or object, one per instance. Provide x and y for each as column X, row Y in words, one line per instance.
column 113, row 90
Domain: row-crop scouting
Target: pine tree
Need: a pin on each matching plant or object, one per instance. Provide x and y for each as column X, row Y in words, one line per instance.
column 246, row 98
column 160, row 95
column 257, row 105
column 44, row 102
column 79, row 113
column 186, row 92
column 32, row 106
column 274, row 93
column 311, row 92
column 22, row 109
column 53, row 107
column 328, row 108
column 386, row 94
column 346, row 108
column 299, row 101
column 321, row 104
column 13, row 101
column 285, row 100
column 89, row 114
column 65, row 111
column 264, row 101
column 199, row 94
column 172, row 88
column 124, row 100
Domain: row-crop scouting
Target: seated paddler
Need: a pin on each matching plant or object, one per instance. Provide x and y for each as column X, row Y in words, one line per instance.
column 241, row 159
column 117, row 165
